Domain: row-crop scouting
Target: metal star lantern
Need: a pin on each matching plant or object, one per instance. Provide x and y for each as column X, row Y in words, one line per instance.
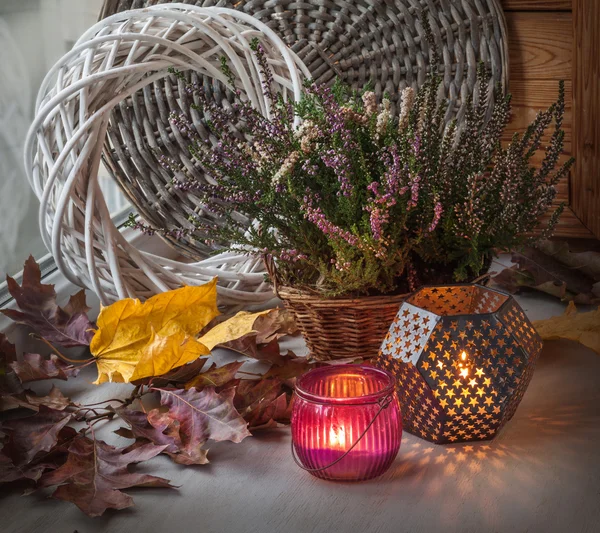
column 463, row 356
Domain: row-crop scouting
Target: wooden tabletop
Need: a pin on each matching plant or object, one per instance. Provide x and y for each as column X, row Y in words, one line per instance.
column 541, row 474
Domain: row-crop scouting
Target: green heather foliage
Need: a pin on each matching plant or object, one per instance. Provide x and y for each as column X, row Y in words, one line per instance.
column 356, row 201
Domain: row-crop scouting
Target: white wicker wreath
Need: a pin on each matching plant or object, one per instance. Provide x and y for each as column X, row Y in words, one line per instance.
column 110, row 62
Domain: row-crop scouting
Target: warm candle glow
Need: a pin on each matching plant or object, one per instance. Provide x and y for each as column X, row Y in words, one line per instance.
column 464, row 372
column 337, row 438
column 346, row 422
column 463, row 355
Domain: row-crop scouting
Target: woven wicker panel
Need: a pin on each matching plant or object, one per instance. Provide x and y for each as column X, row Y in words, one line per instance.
column 359, row 41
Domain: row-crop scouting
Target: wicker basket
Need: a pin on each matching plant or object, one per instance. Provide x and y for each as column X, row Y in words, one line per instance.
column 358, row 41
column 336, row 328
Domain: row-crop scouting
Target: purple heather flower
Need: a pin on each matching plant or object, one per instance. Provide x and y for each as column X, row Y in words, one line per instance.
column 437, row 214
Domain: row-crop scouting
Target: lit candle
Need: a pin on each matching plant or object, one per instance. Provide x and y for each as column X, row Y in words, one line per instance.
column 346, row 422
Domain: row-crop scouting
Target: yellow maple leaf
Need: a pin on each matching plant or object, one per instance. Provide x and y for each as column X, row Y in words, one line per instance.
column 232, row 329
column 130, row 332
column 580, row 327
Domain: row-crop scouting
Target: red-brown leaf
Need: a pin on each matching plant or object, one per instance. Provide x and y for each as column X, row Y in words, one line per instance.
column 54, row 400
column 9, row 384
column 38, row 433
column 9, row 472
column 29, row 400
column 142, row 428
column 36, row 367
column 202, row 415
column 262, row 403
column 215, row 376
column 38, row 309
column 274, row 325
column 46, row 461
column 95, row 473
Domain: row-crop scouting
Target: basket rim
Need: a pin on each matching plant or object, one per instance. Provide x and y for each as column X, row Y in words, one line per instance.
column 297, row 295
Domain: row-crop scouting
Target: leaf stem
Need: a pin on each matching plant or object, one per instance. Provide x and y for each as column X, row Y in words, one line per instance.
column 62, row 356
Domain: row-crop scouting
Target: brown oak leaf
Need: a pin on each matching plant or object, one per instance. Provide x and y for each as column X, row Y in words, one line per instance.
column 200, row 416
column 274, row 325
column 38, row 309
column 9, row 384
column 34, row 434
column 178, row 375
column 55, row 399
column 29, row 400
column 9, row 472
column 215, row 376
column 289, row 367
column 142, row 428
column 95, row 474
column 36, row 367
column 185, row 454
column 552, row 268
column 263, row 403
column 46, row 461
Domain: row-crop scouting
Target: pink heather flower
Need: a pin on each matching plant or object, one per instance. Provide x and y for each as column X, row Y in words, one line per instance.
column 317, row 217
column 437, row 214
column 414, row 192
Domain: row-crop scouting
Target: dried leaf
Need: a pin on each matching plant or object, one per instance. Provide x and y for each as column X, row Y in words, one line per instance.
column 179, row 375
column 142, row 428
column 54, row 400
column 129, row 329
column 38, row 433
column 36, row 367
column 551, row 268
column 47, row 461
column 201, row 415
column 215, row 376
column 28, row 400
column 95, row 474
column 9, row 472
column 163, row 353
column 277, row 323
column 289, row 366
column 186, row 453
column 261, row 341
column 247, row 345
column 270, row 414
column 580, row 327
column 38, row 309
column 234, row 328
column 263, row 403
column 9, row 384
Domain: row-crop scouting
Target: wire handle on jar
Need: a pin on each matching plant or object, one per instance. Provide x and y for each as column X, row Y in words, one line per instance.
column 383, row 404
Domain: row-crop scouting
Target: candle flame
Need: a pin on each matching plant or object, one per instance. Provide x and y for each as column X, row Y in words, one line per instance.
column 464, row 372
column 337, row 437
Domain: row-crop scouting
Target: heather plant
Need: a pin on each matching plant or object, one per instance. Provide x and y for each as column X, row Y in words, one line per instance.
column 356, row 201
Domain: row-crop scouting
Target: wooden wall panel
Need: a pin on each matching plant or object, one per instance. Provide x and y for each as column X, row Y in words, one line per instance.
column 586, row 104
column 531, row 96
column 537, row 5
column 540, row 45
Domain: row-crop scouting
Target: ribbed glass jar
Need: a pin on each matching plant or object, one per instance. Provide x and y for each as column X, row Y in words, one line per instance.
column 334, row 405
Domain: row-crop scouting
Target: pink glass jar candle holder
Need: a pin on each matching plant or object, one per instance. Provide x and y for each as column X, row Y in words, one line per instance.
column 346, row 407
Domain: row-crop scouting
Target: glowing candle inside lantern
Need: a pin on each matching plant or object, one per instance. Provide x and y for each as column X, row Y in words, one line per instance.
column 464, row 371
column 333, row 408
